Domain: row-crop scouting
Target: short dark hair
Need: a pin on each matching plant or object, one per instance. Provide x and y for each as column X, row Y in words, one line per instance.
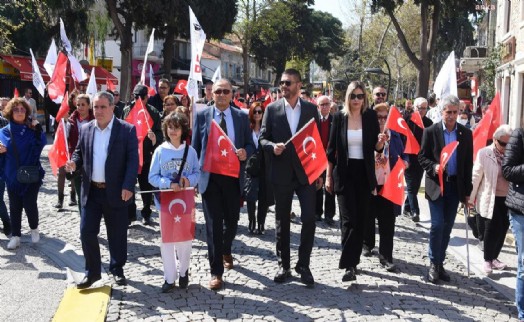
column 293, row 72
column 178, row 120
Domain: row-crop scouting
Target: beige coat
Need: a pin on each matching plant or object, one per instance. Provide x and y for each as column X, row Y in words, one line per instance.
column 485, row 173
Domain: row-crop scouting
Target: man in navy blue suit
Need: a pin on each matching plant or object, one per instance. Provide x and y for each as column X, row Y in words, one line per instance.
column 220, row 193
column 107, row 152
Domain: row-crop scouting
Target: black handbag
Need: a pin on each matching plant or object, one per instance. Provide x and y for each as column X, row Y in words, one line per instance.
column 253, row 164
column 27, row 173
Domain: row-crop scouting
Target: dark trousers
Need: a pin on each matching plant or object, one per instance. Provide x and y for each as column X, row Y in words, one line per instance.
column 283, row 201
column 25, row 202
column 329, row 203
column 97, row 206
column 147, row 198
column 495, row 230
column 221, row 205
column 4, row 215
column 382, row 210
column 353, row 205
column 413, row 176
column 262, row 211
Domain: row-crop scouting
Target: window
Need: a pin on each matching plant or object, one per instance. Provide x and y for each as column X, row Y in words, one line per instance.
column 507, row 16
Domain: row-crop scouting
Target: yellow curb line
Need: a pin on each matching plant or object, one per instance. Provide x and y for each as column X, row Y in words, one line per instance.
column 88, row 305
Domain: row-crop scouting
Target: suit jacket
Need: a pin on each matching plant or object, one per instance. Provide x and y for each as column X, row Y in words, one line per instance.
column 275, row 129
column 429, row 157
column 243, row 139
column 121, row 166
column 337, row 151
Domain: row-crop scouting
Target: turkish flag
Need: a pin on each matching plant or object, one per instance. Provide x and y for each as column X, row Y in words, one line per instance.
column 109, row 84
column 140, row 118
column 487, row 126
column 181, row 87
column 221, row 155
column 151, row 91
column 445, row 155
column 177, row 215
column 393, row 189
column 238, row 103
column 64, row 108
column 57, row 86
column 16, row 93
column 397, row 123
column 417, row 119
column 494, row 107
column 311, row 155
column 58, row 153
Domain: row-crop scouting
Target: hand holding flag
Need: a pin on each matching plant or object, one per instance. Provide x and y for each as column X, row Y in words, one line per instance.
column 393, row 189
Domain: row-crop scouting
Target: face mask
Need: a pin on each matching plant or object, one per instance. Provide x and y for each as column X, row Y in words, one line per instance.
column 462, row 121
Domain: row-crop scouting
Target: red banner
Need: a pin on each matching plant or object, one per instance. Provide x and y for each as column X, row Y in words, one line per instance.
column 140, row 118
column 445, row 155
column 393, row 189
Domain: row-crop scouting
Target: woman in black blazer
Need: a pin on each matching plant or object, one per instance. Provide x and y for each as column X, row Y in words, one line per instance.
column 355, row 136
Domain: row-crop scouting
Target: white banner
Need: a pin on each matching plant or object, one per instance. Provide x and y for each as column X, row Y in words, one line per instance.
column 198, row 39
column 77, row 71
column 91, row 86
column 446, row 82
column 149, row 50
column 63, row 36
column 192, row 88
column 50, row 59
column 38, row 81
column 217, row 75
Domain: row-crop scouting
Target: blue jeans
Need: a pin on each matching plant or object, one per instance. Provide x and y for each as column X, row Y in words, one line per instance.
column 517, row 226
column 443, row 212
column 4, row 216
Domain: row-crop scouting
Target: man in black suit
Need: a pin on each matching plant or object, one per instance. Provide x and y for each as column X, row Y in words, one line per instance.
column 221, row 193
column 283, row 119
column 107, row 153
column 157, row 101
column 457, row 181
column 324, row 106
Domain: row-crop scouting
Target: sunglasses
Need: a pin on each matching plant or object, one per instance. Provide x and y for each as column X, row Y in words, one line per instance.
column 380, row 94
column 258, row 112
column 19, row 110
column 287, row 83
column 502, row 143
column 357, row 96
column 222, row 91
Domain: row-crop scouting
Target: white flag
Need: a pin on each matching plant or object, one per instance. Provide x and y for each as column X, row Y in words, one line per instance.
column 446, row 82
column 152, row 81
column 50, row 59
column 192, row 88
column 217, row 75
column 63, row 36
column 149, row 50
column 77, row 71
column 91, row 86
column 198, row 39
column 38, row 81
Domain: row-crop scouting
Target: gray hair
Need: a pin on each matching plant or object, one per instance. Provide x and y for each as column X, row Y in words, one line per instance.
column 449, row 100
column 419, row 101
column 104, row 94
column 501, row 131
column 323, row 97
column 222, row 80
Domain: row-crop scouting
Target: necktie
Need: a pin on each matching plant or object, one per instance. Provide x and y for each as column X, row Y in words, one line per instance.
column 223, row 122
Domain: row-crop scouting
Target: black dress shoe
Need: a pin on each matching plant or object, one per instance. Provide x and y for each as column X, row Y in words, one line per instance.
column 305, row 275
column 166, row 288
column 120, row 280
column 349, row 275
column 442, row 274
column 319, row 217
column 415, row 217
column 329, row 221
column 87, row 281
column 433, row 274
column 147, row 221
column 183, row 281
column 282, row 275
column 366, row 251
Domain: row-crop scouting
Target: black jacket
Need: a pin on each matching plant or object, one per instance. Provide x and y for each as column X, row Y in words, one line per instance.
column 513, row 171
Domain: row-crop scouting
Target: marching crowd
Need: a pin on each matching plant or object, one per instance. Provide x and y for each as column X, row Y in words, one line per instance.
column 361, row 151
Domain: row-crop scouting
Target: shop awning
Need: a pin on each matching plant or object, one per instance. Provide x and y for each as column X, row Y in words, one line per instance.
column 23, row 65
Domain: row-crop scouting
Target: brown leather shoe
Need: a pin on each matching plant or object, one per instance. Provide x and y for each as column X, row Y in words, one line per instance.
column 216, row 282
column 228, row 261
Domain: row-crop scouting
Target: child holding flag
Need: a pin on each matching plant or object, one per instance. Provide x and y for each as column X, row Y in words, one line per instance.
column 175, row 166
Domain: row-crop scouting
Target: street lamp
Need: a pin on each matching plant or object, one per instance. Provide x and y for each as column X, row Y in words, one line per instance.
column 379, row 71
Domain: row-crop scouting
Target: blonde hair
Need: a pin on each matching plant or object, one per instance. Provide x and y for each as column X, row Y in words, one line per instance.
column 351, row 87
column 381, row 107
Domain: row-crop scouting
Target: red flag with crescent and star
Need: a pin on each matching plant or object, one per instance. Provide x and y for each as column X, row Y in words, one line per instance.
column 393, row 189
column 140, row 118
column 397, row 123
column 110, row 85
column 310, row 153
column 181, row 87
column 58, row 153
column 445, row 155
column 64, row 108
column 417, row 119
column 57, row 86
column 177, row 215
column 221, row 157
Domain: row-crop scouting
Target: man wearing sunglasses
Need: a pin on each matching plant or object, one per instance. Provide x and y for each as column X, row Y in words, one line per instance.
column 283, row 119
column 157, row 101
column 221, row 193
column 379, row 95
column 457, row 181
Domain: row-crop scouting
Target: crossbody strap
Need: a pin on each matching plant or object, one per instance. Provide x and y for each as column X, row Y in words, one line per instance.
column 184, row 157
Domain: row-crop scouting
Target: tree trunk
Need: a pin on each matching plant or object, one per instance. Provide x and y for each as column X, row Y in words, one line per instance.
column 423, row 80
column 169, row 42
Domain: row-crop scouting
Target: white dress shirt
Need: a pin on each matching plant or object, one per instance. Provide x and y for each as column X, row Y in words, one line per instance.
column 229, row 122
column 293, row 115
column 100, row 146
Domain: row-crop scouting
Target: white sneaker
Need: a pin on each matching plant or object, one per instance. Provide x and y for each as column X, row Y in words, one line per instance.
column 14, row 243
column 35, row 235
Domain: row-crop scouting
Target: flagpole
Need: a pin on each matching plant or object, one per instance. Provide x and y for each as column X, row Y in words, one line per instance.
column 298, row 132
column 192, row 107
column 164, row 190
column 65, row 138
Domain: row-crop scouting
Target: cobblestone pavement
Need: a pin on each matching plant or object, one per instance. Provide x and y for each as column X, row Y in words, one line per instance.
column 250, row 293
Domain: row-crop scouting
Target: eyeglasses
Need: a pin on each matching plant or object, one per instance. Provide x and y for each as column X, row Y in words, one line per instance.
column 380, row 94
column 502, row 143
column 357, row 96
column 258, row 112
column 382, row 118
column 287, row 83
column 19, row 110
column 451, row 112
column 222, row 91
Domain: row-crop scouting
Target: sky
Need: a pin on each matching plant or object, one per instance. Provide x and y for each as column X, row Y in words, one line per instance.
column 338, row 8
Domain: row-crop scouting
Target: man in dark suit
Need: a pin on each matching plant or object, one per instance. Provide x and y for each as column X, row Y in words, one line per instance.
column 415, row 172
column 282, row 120
column 324, row 106
column 457, row 181
column 107, row 153
column 220, row 193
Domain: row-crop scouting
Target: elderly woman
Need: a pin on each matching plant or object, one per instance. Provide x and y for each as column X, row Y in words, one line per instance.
column 170, row 104
column 354, row 138
column 21, row 143
column 489, row 196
